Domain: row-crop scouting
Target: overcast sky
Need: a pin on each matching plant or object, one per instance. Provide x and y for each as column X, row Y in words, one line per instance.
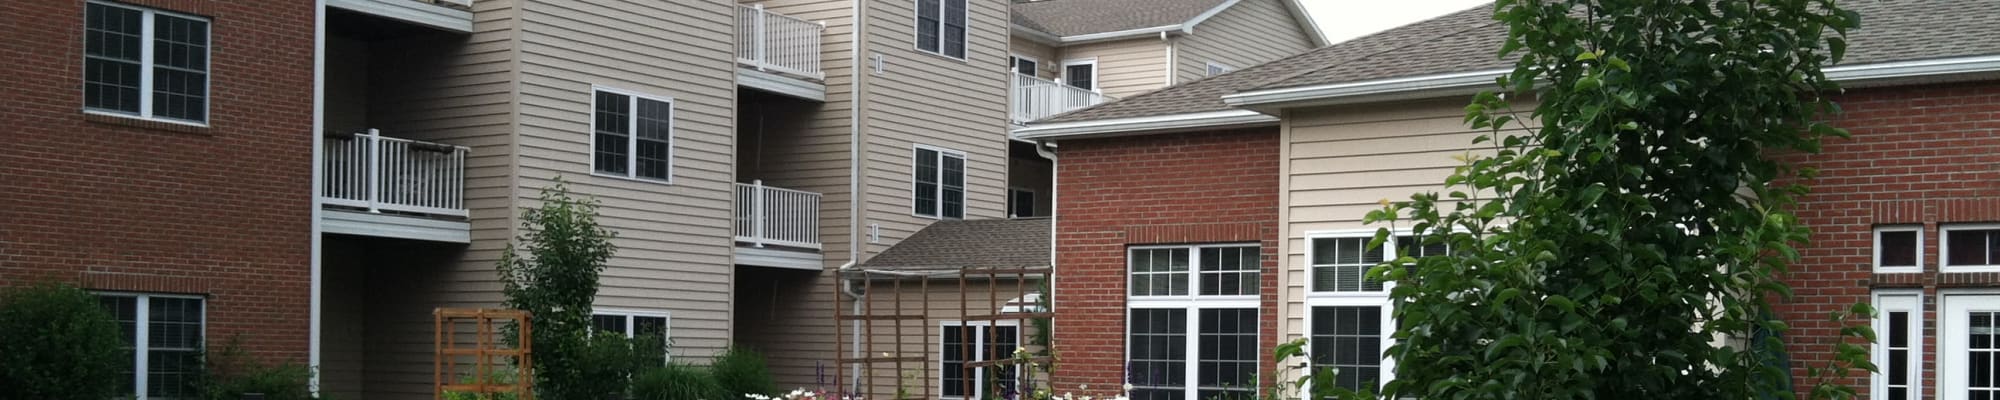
column 1348, row 19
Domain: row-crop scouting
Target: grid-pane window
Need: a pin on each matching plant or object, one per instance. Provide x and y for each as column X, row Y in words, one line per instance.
column 938, row 189
column 953, row 194
column 941, row 27
column 1081, row 75
column 1229, row 271
column 1898, row 335
column 1349, row 339
column 1341, row 265
column 961, row 345
column 1227, row 354
column 1348, row 314
column 925, row 192
column 1192, row 330
column 1971, row 247
column 632, row 135
column 1982, row 375
column 927, row 25
column 145, row 63
column 631, row 325
column 1158, row 354
column 164, row 338
column 1159, row 272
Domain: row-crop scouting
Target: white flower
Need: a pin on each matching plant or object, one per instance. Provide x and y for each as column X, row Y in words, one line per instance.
column 1085, row 386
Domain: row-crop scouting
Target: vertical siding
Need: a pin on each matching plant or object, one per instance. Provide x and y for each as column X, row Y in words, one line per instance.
column 1124, row 67
column 674, row 239
column 1249, row 33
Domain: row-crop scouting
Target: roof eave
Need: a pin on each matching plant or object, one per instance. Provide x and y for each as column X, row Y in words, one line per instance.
column 1036, row 35
column 1227, row 119
column 1937, row 70
column 1175, row 29
column 1304, row 18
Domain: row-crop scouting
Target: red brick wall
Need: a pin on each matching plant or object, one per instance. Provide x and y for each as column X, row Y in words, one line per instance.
column 1928, row 155
column 115, row 203
column 1182, row 188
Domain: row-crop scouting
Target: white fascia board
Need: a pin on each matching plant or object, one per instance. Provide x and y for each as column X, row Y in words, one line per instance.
column 1124, row 34
column 1919, row 70
column 1034, row 35
column 1146, row 125
column 1298, row 9
column 1188, row 27
column 1375, row 90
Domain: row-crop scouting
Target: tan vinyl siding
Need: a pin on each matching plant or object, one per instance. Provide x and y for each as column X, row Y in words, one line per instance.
column 674, row 239
column 939, row 101
column 923, row 337
column 1124, row 67
column 1045, row 56
column 1249, row 33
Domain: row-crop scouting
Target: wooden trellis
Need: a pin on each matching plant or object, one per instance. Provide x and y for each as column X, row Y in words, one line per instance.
column 985, row 297
column 485, row 354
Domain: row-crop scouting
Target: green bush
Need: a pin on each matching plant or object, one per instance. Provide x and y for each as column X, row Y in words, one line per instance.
column 228, row 374
column 678, row 382
column 57, row 342
column 742, row 371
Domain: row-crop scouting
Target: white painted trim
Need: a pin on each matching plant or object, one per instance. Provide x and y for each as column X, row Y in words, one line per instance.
column 1944, row 249
column 1188, row 27
column 1193, row 302
column 1914, row 69
column 1209, row 67
column 775, row 258
column 142, row 323
column 1381, row 299
column 1306, row 23
column 979, row 342
column 781, row 84
column 938, row 213
column 1886, row 300
column 631, row 323
column 1402, row 88
column 1014, row 65
column 1949, row 337
column 917, row 20
column 313, row 335
column 147, row 17
column 1876, row 238
column 632, row 137
column 1124, row 34
column 416, row 12
column 1095, row 84
column 1144, row 125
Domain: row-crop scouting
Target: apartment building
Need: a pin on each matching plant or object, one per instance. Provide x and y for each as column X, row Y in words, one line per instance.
column 1902, row 213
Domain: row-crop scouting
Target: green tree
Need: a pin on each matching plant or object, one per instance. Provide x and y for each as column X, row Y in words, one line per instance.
column 1603, row 244
column 551, row 272
column 58, row 343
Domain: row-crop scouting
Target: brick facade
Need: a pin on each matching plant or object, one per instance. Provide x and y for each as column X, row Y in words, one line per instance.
column 114, row 203
column 1189, row 188
column 1926, row 155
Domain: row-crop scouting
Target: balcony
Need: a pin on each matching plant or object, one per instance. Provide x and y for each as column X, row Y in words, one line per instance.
column 777, row 227
column 448, row 15
column 373, row 185
column 1036, row 98
column 779, row 53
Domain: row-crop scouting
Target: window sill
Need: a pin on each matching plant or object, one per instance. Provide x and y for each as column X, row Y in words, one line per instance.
column 967, row 59
column 146, row 123
column 656, row 181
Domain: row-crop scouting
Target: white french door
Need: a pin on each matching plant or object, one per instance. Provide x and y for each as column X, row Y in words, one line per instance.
column 1969, row 347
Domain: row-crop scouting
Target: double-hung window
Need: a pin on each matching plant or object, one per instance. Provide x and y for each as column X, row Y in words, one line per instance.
column 163, row 335
column 1348, row 314
column 1899, row 345
column 145, row 63
column 632, row 135
column 631, row 324
column 941, row 27
column 939, row 189
column 1192, row 324
column 960, row 345
column 1971, row 248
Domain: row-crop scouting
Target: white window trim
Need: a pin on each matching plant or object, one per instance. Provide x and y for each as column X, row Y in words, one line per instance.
column 937, row 212
column 1193, row 302
column 1210, row 66
column 630, row 326
column 632, row 137
column 978, row 381
column 1095, row 85
column 1876, row 238
column 1948, row 340
column 1908, row 300
column 916, row 22
column 1012, row 65
column 146, row 67
column 142, row 333
column 1348, row 299
column 1944, row 248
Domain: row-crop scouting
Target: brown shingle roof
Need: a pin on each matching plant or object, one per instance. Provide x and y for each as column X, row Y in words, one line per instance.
column 987, row 243
column 1083, row 17
column 1469, row 40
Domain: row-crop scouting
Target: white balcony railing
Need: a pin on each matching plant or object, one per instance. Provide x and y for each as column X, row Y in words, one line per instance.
column 1036, row 98
column 774, row 216
column 366, row 170
column 777, row 42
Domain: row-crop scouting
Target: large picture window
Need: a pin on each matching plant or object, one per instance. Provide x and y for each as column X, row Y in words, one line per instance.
column 1349, row 315
column 145, row 63
column 632, row 135
column 962, row 344
column 941, row 27
column 939, row 189
column 1192, row 331
column 163, row 336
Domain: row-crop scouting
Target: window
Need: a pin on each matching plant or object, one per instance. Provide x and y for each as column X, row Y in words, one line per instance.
column 1080, row 73
column 1898, row 350
column 939, row 191
column 631, row 324
column 1349, row 314
column 145, row 63
column 1024, row 65
column 1899, row 248
column 1971, row 248
column 1218, row 69
column 973, row 342
column 632, row 135
column 1968, row 340
column 164, row 335
column 1193, row 324
column 1020, row 202
column 941, row 27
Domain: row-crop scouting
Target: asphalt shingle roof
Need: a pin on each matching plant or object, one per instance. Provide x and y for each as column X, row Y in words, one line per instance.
column 990, row 243
column 1083, row 17
column 1469, row 40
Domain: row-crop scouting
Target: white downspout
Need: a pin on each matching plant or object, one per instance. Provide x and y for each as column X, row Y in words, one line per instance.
column 318, row 126
column 854, row 196
column 1055, row 197
column 1171, row 67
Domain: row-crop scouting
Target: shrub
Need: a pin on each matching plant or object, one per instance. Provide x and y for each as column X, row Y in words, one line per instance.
column 551, row 271
column 742, row 371
column 679, row 382
column 57, row 342
column 229, row 374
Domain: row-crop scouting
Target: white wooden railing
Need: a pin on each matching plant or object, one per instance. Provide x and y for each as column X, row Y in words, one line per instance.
column 1036, row 98
column 777, row 42
column 775, row 216
column 366, row 170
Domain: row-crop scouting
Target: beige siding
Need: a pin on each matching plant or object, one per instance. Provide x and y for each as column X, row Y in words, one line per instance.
column 1124, row 67
column 1046, row 65
column 938, row 301
column 674, row 239
column 1249, row 33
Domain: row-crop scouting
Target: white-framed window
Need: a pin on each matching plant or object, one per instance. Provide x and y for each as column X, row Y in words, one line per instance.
column 1970, row 247
column 1349, row 317
column 633, row 324
column 970, row 342
column 631, row 135
column 1218, row 69
column 1192, row 327
column 1968, row 338
column 1080, row 74
column 1020, row 202
column 1024, row 65
column 1899, row 248
column 145, row 63
column 941, row 27
column 164, row 335
column 1899, row 346
column 938, row 176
